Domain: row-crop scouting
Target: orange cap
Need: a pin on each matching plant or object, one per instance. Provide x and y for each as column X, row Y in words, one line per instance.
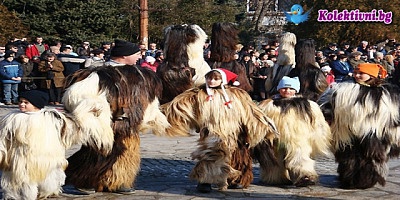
column 375, row 70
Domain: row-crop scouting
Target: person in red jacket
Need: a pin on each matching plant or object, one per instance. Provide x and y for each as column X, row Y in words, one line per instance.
column 34, row 51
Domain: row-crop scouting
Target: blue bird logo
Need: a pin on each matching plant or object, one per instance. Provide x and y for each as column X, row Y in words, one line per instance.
column 296, row 15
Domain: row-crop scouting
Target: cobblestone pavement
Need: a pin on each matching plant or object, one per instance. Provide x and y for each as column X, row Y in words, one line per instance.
column 166, row 164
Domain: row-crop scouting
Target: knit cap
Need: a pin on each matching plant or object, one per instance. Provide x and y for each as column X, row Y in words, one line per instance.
column 372, row 69
column 288, row 82
column 36, row 97
column 124, row 48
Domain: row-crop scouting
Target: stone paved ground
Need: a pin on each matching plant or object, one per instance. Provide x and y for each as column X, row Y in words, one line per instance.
column 166, row 164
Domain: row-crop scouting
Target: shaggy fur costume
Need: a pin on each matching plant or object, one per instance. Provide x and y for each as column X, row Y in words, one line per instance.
column 285, row 61
column 366, row 131
column 132, row 95
column 304, row 134
column 32, row 150
column 224, row 39
column 224, row 133
column 184, row 65
column 312, row 80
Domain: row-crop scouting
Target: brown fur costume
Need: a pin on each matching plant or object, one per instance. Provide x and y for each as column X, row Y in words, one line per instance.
column 224, row 39
column 366, row 131
column 304, row 134
column 184, row 65
column 132, row 94
column 312, row 80
column 224, row 133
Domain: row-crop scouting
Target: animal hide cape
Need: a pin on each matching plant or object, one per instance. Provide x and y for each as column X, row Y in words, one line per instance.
column 184, row 66
column 222, row 131
column 304, row 134
column 366, row 131
column 133, row 107
column 32, row 152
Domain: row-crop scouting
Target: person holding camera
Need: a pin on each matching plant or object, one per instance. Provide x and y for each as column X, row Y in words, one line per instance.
column 53, row 77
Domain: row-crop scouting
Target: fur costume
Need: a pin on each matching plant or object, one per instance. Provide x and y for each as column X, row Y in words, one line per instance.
column 224, row 133
column 312, row 80
column 304, row 134
column 285, row 61
column 132, row 95
column 224, row 39
column 32, row 150
column 366, row 131
column 184, row 65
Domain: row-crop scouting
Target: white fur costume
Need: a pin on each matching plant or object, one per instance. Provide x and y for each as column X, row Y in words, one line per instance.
column 32, row 151
column 195, row 54
column 304, row 134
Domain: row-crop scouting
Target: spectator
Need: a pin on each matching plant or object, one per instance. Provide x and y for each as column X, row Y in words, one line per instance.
column 34, row 51
column 150, row 63
column 152, row 50
column 96, row 60
column 355, row 59
column 378, row 59
column 249, row 67
column 342, row 69
column 106, row 47
column 11, row 73
column 20, row 44
column 84, row 50
column 70, row 62
column 363, row 48
column 52, row 69
column 331, row 49
column 159, row 57
column 27, row 82
column 330, row 78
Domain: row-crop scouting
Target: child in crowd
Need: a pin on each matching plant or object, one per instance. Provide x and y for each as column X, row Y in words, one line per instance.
column 330, row 78
column 10, row 74
column 304, row 133
column 229, row 123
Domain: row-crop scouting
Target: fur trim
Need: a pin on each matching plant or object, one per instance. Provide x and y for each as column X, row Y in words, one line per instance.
column 300, row 142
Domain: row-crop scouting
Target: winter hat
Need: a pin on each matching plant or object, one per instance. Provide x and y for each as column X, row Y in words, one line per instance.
column 8, row 54
column 372, row 69
column 36, row 97
column 288, row 82
column 227, row 77
column 123, row 48
column 150, row 59
column 326, row 69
